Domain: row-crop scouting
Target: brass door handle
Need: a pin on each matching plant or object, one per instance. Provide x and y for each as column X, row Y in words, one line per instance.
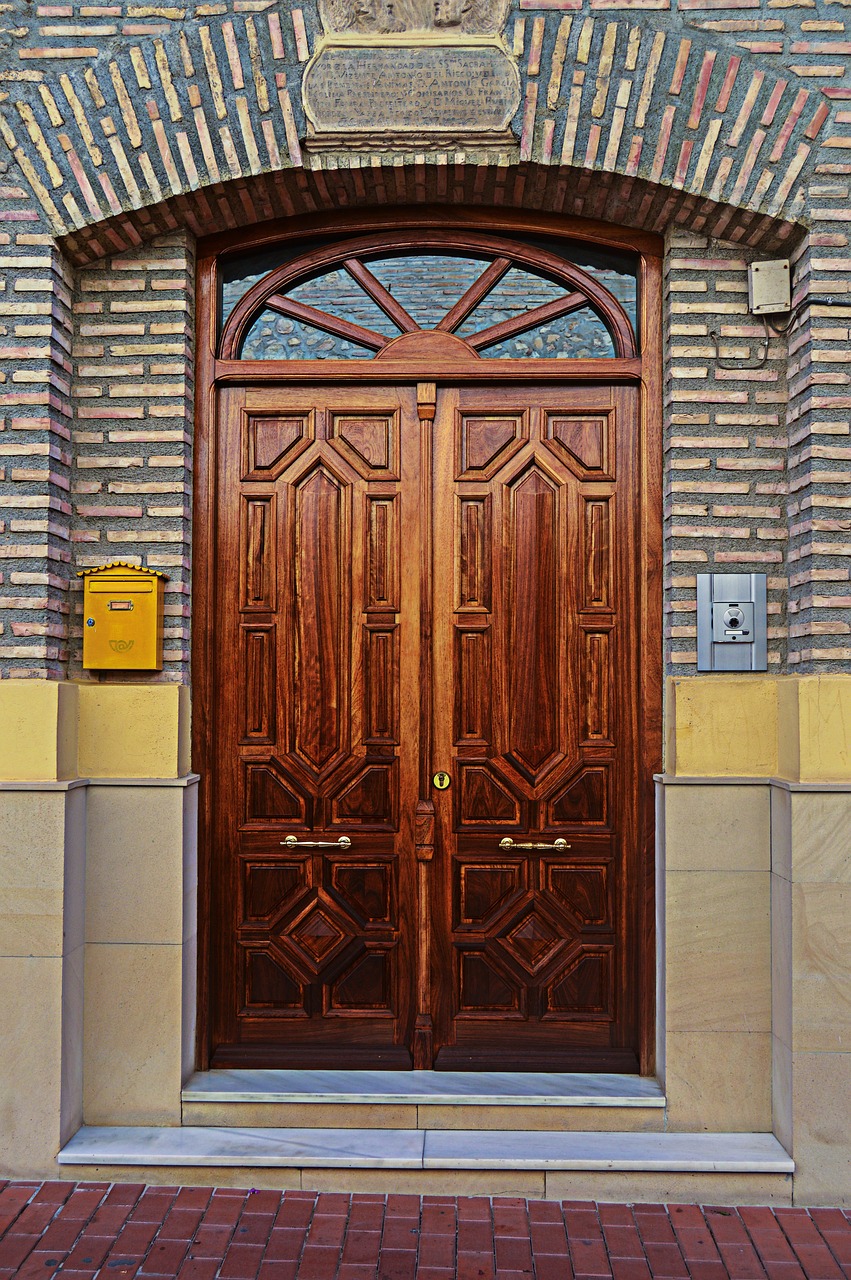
column 292, row 841
column 508, row 843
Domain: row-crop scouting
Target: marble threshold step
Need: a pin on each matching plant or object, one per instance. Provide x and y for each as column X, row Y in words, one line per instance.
column 446, row 1088
column 541, row 1150
column 496, row 1100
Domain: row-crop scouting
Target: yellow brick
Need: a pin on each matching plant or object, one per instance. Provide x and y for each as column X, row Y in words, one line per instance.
column 721, row 726
column 38, row 740
column 815, row 728
column 133, row 730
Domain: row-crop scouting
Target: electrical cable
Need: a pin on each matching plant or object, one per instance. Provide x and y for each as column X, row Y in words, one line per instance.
column 762, row 357
column 806, row 302
column 733, row 365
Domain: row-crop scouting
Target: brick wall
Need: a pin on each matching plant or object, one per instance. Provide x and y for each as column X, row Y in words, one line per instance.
column 725, row 447
column 819, row 460
column 723, row 124
column 35, row 455
column 131, row 486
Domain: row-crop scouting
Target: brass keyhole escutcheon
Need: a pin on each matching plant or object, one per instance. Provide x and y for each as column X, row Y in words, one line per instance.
column 441, row 781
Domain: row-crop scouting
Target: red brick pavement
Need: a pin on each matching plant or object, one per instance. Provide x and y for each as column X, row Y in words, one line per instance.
column 118, row 1231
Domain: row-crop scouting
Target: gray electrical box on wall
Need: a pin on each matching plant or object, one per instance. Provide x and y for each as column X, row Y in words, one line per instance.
column 731, row 622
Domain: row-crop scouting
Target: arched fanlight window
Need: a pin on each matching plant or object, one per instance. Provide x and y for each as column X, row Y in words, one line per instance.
column 500, row 299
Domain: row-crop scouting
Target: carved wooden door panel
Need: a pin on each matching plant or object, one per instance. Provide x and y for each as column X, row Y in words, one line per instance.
column 535, row 954
column 317, row 726
column 396, row 598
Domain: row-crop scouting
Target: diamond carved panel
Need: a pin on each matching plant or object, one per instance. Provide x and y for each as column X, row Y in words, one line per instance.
column 484, row 799
column 584, row 891
column 270, row 888
column 483, row 989
column 366, row 987
column 369, row 441
column 485, row 442
column 268, row 985
column 585, row 990
column 269, row 797
column 366, row 890
column 533, row 940
column 583, row 802
column 272, row 444
column 582, row 441
column 370, row 798
column 486, row 888
column 318, row 933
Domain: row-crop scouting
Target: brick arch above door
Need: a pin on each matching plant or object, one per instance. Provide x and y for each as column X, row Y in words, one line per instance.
column 640, row 125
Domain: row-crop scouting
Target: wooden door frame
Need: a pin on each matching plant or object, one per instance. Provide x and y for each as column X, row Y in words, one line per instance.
column 211, row 373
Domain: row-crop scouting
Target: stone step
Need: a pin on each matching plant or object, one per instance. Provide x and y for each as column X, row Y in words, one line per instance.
column 714, row 1168
column 444, row 1100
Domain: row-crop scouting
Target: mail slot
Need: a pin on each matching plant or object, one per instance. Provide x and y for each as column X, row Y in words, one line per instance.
column 122, row 618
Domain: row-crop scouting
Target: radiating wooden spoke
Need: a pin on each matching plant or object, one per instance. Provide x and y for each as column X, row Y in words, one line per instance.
column 529, row 320
column 322, row 320
column 380, row 295
column 477, row 290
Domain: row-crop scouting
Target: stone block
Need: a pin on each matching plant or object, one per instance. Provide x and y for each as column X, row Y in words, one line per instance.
column 718, row 955
column 717, row 828
column 132, row 1034
column 719, row 1082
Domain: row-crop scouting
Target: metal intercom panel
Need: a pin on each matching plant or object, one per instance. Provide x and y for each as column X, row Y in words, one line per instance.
column 731, row 622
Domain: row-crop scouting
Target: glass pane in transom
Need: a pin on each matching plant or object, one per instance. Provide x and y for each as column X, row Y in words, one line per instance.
column 623, row 287
column 580, row 335
column 518, row 291
column 428, row 284
column 338, row 294
column 277, row 337
column 233, row 290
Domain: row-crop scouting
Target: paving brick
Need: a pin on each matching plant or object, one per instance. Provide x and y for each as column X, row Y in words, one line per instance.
column 14, row 1248
column 360, row 1246
column 367, row 1271
column 318, row 1262
column 180, row 1224
column 665, row 1259
column 195, row 1268
column 151, row 1206
column 280, row 1270
column 34, row 1217
column 89, row 1252
column 40, row 1263
column 241, row 1261
column 653, row 1227
column 436, row 1251
column 512, row 1253
column 295, row 1212
column 630, row 1269
column 135, row 1237
column 164, row 1258
column 401, row 1233
column 397, row 1264
column 223, row 1211
column 549, row 1237
column 12, row 1202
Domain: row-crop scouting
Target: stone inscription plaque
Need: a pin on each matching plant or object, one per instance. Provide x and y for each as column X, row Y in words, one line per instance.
column 400, row 96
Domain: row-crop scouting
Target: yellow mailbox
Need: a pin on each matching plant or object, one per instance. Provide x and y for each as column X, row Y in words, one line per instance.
column 122, row 618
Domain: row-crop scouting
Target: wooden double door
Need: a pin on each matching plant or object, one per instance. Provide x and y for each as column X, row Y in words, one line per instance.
column 426, row 771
